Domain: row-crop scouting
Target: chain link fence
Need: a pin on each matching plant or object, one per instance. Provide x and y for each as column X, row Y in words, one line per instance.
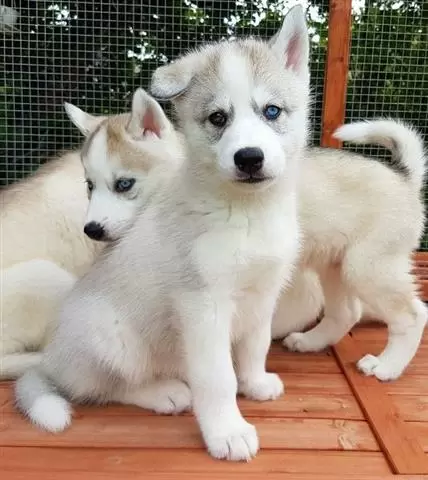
column 96, row 53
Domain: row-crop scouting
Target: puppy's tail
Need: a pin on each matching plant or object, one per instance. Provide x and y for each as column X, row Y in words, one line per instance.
column 405, row 144
column 38, row 399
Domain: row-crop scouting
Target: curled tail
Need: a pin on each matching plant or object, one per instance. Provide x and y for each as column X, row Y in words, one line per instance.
column 405, row 144
column 38, row 399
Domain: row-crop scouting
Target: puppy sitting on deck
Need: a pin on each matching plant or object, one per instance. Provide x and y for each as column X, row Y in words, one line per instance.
column 146, row 319
column 44, row 247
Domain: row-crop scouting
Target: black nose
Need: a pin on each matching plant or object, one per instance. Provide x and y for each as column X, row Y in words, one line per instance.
column 249, row 160
column 94, row 230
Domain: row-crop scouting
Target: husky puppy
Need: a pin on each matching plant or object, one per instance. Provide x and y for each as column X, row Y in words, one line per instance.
column 199, row 273
column 361, row 221
column 44, row 246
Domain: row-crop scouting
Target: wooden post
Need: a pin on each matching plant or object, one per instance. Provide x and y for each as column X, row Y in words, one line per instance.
column 336, row 72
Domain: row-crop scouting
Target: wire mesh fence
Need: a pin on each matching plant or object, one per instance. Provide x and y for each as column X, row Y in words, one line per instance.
column 95, row 53
column 388, row 72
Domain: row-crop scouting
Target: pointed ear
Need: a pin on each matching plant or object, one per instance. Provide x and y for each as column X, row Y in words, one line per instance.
column 147, row 116
column 170, row 81
column 83, row 121
column 291, row 42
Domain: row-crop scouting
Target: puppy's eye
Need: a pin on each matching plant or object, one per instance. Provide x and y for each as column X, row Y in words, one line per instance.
column 124, row 184
column 90, row 185
column 218, row 119
column 272, row 112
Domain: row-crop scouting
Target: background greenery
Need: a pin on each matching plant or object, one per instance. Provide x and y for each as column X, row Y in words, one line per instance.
column 94, row 53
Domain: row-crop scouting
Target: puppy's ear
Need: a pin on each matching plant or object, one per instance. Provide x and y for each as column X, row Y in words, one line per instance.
column 291, row 42
column 83, row 121
column 170, row 81
column 147, row 116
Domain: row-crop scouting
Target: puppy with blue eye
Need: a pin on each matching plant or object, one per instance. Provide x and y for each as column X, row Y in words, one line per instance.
column 116, row 168
column 49, row 225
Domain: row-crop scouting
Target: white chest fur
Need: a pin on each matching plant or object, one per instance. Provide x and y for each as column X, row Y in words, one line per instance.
column 239, row 245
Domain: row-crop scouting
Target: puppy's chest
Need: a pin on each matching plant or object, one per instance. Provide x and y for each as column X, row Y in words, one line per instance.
column 242, row 249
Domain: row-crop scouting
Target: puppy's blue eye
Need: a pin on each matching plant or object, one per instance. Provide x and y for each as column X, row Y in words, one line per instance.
column 272, row 112
column 124, row 184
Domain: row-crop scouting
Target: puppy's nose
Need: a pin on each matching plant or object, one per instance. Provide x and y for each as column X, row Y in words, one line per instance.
column 94, row 230
column 249, row 159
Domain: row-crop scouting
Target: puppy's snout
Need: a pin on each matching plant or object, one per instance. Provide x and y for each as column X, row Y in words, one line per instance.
column 249, row 160
column 94, row 230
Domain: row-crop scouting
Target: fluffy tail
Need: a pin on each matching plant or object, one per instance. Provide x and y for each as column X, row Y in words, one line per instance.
column 37, row 398
column 405, row 144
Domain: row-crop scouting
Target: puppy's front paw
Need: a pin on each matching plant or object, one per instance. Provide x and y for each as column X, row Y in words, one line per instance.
column 266, row 387
column 236, row 442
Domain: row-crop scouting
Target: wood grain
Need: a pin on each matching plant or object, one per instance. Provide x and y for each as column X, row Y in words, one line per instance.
column 182, row 432
column 336, row 72
column 399, row 442
column 192, row 461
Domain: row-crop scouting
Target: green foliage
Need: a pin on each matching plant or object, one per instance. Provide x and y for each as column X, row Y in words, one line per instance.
column 94, row 53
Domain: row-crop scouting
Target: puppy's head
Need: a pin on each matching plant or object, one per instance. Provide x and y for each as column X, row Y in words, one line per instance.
column 125, row 158
column 243, row 105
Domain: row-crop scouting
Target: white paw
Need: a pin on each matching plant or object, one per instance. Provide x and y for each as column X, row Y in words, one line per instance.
column 298, row 342
column 236, row 444
column 373, row 366
column 267, row 387
column 174, row 397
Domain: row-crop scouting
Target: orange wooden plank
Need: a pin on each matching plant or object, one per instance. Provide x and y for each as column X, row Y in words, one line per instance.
column 78, row 475
column 282, row 361
column 408, row 385
column 412, row 407
column 336, row 73
column 169, row 461
column 311, row 383
column 182, row 432
column 421, row 272
column 398, row 441
column 421, row 430
column 305, row 405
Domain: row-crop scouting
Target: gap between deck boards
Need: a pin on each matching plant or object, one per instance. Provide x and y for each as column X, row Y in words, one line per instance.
column 395, row 437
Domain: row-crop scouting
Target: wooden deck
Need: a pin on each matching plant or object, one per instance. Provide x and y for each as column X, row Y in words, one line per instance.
column 332, row 423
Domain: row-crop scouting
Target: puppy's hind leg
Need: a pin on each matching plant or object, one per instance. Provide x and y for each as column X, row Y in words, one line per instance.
column 384, row 283
column 168, row 396
column 342, row 311
column 405, row 328
column 299, row 305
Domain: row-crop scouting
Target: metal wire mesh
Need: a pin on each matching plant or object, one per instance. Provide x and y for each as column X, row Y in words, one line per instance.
column 388, row 74
column 95, row 53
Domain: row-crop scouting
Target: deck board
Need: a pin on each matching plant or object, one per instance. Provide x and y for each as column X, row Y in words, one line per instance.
column 317, row 430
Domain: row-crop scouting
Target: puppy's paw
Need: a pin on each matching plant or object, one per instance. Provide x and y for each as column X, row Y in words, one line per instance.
column 384, row 371
column 236, row 442
column 174, row 397
column 266, row 387
column 299, row 342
